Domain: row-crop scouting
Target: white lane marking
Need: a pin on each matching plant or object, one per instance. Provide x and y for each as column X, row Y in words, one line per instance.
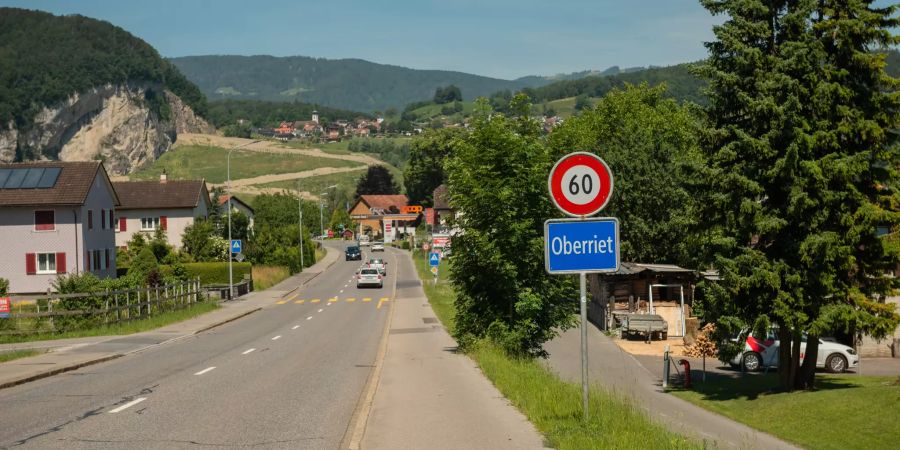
column 205, row 370
column 309, row 318
column 248, row 351
column 128, row 405
column 342, row 291
column 321, row 310
column 329, row 304
column 276, row 338
column 295, row 327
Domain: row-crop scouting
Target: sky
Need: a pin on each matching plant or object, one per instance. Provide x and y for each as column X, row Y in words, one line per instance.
column 498, row 38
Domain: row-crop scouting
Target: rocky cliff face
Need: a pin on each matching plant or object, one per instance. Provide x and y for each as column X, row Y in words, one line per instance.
column 127, row 126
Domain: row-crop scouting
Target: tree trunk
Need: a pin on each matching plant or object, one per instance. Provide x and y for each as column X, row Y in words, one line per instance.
column 807, row 376
column 784, row 357
column 795, row 357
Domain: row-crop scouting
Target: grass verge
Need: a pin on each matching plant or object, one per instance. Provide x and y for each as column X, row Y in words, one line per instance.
column 18, row 354
column 136, row 326
column 552, row 405
column 265, row 277
column 846, row 411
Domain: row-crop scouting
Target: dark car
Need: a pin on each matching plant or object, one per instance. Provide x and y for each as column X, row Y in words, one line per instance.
column 353, row 252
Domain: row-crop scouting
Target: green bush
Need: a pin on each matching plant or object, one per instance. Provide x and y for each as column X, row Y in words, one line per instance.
column 404, row 245
column 214, row 272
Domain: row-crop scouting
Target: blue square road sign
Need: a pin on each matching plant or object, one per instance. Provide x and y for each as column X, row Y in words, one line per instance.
column 434, row 259
column 581, row 246
column 235, row 246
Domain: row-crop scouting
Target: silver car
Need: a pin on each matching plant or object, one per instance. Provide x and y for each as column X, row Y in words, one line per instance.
column 368, row 278
column 377, row 263
column 759, row 353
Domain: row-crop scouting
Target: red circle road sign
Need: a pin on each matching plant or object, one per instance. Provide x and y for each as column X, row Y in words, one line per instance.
column 580, row 184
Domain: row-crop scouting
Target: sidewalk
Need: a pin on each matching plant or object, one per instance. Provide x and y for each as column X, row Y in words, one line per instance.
column 430, row 397
column 620, row 372
column 70, row 354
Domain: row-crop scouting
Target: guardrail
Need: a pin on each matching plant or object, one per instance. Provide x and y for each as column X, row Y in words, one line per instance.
column 56, row 313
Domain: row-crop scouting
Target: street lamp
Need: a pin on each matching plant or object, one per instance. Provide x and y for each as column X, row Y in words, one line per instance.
column 300, row 214
column 228, row 188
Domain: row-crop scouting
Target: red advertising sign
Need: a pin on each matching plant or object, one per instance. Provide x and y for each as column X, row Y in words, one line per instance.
column 440, row 241
column 429, row 216
column 331, row 233
column 4, row 307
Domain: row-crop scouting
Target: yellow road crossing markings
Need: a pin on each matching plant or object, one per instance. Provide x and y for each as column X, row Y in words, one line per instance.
column 332, row 299
column 367, row 299
column 300, row 302
column 351, row 300
column 315, row 300
column 382, row 300
column 281, row 302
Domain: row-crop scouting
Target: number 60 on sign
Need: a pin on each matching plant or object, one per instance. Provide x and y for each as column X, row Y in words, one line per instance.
column 580, row 184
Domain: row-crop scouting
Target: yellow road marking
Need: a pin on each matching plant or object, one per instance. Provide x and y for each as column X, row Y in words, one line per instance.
column 367, row 299
column 281, row 302
column 332, row 299
column 300, row 302
column 291, row 298
column 315, row 300
column 351, row 299
column 383, row 299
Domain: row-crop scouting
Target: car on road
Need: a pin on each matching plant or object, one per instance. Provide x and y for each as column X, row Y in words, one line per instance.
column 379, row 264
column 364, row 240
column 369, row 277
column 353, row 253
column 760, row 353
column 378, row 246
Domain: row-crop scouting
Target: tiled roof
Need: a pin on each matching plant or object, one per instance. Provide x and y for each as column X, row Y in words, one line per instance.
column 441, row 197
column 71, row 188
column 160, row 194
column 224, row 199
column 385, row 202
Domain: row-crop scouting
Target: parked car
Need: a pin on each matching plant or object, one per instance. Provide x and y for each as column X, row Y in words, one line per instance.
column 378, row 246
column 378, row 264
column 353, row 253
column 832, row 356
column 368, row 277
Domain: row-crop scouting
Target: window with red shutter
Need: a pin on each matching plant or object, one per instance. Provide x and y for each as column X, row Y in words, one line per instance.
column 30, row 263
column 60, row 262
column 123, row 224
column 164, row 222
column 44, row 221
column 90, row 219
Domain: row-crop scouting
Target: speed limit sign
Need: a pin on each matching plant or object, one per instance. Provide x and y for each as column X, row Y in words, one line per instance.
column 580, row 184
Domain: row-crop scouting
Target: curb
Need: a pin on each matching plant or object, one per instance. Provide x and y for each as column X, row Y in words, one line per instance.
column 58, row 371
column 223, row 322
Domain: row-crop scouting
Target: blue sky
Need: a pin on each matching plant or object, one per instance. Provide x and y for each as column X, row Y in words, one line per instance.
column 499, row 38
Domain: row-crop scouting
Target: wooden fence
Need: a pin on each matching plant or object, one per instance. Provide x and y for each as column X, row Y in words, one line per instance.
column 56, row 313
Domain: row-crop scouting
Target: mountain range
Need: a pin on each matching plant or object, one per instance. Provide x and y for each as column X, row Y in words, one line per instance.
column 353, row 84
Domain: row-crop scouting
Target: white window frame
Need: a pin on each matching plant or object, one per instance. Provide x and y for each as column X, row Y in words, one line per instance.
column 46, row 263
column 154, row 221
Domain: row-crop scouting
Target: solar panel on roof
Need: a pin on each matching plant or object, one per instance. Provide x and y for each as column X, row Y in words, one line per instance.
column 32, row 176
column 48, row 180
column 4, row 174
column 15, row 179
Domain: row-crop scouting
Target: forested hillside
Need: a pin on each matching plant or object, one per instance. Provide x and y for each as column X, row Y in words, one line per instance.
column 269, row 114
column 340, row 83
column 45, row 58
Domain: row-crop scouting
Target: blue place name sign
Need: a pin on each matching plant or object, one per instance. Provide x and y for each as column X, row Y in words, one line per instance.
column 581, row 246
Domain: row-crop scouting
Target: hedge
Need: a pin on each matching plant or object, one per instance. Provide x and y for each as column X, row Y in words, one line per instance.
column 217, row 272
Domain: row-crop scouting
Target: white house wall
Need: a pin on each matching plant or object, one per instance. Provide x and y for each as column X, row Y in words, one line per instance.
column 99, row 238
column 177, row 220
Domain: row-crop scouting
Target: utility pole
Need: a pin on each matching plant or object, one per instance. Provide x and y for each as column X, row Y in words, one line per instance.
column 300, row 213
column 228, row 185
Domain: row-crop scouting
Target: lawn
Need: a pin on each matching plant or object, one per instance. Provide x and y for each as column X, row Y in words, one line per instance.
column 18, row 354
column 552, row 405
column 847, row 411
column 564, row 107
column 430, row 111
column 135, row 326
column 209, row 163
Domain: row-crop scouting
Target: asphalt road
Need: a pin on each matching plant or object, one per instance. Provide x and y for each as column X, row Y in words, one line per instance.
column 289, row 376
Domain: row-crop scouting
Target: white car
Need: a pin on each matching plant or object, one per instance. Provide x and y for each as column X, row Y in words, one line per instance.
column 369, row 278
column 378, row 264
column 831, row 356
column 378, row 246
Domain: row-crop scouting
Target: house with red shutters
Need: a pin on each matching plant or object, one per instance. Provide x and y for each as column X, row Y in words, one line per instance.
column 169, row 205
column 55, row 218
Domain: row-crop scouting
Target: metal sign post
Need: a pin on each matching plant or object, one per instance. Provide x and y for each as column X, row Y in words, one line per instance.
column 581, row 185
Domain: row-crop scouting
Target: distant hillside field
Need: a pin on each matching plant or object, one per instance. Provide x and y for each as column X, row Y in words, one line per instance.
column 352, row 84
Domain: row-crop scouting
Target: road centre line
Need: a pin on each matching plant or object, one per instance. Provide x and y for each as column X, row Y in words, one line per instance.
column 276, row 338
column 295, row 327
column 342, row 291
column 128, row 405
column 309, row 318
column 248, row 351
column 205, row 370
column 321, row 310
